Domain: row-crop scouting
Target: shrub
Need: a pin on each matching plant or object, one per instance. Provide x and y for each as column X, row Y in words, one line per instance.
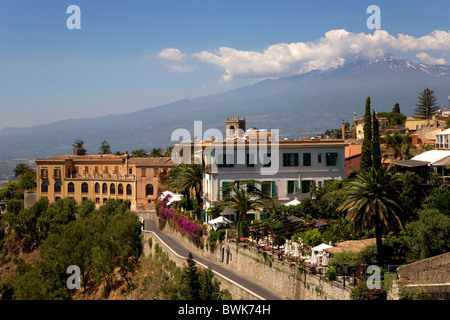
column 361, row 292
column 331, row 274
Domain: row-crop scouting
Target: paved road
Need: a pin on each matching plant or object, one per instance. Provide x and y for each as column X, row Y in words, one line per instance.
column 175, row 245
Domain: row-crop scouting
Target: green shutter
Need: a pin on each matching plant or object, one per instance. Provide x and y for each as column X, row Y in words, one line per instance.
column 285, row 159
column 274, row 191
column 296, row 187
column 296, row 159
column 225, row 194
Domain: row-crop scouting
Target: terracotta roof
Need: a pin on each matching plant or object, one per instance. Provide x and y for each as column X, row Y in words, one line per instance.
column 351, row 246
column 152, row 161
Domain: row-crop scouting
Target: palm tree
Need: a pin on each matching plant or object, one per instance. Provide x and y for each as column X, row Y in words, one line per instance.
column 156, row 152
column 186, row 177
column 398, row 146
column 191, row 178
column 372, row 202
column 243, row 200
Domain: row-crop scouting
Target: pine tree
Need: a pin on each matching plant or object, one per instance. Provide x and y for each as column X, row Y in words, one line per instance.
column 427, row 105
column 105, row 148
column 396, row 108
column 190, row 289
column 366, row 152
column 376, row 149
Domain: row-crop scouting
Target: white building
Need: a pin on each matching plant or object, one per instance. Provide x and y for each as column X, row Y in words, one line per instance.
column 287, row 168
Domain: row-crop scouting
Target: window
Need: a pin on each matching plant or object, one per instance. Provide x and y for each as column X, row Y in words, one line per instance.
column 116, row 169
column 225, row 193
column 292, row 187
column 104, row 188
column 290, row 159
column 44, row 187
column 86, row 169
column 149, row 190
column 120, row 188
column 265, row 188
column 306, row 159
column 227, row 161
column 130, row 171
column 319, row 158
column 105, row 200
column 84, row 188
column 129, row 190
column 57, row 187
column 250, row 187
column 97, row 200
column 306, row 185
column 71, row 187
column 44, row 173
column 143, row 172
column 332, row 159
column 57, row 173
column 97, row 187
column 112, row 188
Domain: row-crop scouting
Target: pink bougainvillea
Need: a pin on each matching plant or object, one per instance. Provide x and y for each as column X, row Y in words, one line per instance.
column 178, row 222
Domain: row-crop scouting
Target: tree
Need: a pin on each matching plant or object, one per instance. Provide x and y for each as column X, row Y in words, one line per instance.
column 78, row 144
column 398, row 146
column 191, row 178
column 105, row 148
column 190, row 289
column 429, row 236
column 156, row 152
column 243, row 200
column 366, row 154
column 396, row 108
column 22, row 168
column 139, row 153
column 372, row 203
column 376, row 150
column 427, row 105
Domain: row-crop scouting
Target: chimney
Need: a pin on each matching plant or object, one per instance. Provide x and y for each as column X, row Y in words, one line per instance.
column 79, row 151
column 343, row 130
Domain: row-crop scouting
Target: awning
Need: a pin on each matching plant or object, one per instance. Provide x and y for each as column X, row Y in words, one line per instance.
column 442, row 163
column 219, row 222
column 412, row 163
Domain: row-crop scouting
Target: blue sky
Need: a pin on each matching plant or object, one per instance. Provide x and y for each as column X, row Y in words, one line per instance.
column 134, row 54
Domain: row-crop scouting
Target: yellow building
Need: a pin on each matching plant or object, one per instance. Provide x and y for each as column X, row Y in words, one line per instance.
column 101, row 177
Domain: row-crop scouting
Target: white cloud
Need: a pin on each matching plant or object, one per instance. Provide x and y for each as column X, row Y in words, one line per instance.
column 328, row 52
column 425, row 57
column 171, row 54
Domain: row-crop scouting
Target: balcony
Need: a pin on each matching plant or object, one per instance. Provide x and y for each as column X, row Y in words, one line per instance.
column 103, row 176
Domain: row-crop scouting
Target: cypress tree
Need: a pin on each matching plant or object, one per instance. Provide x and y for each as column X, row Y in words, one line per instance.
column 366, row 152
column 376, row 150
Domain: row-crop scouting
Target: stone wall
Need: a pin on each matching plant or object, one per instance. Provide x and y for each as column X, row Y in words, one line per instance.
column 282, row 277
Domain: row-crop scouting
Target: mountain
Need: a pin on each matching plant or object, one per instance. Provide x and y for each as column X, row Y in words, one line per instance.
column 300, row 105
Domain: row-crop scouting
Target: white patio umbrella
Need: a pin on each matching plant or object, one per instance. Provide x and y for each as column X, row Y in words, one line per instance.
column 313, row 257
column 287, row 247
column 321, row 247
column 293, row 202
column 219, row 222
column 296, row 253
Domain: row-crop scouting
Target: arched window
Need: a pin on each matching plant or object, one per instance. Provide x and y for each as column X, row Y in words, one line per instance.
column 44, row 187
column 149, row 190
column 84, row 188
column 104, row 188
column 57, row 187
column 112, row 188
column 97, row 187
column 129, row 190
column 70, row 187
column 120, row 188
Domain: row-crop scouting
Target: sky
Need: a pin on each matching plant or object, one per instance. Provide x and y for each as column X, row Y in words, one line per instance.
column 135, row 54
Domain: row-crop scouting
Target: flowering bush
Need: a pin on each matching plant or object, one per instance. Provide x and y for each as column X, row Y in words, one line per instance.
column 178, row 222
column 361, row 292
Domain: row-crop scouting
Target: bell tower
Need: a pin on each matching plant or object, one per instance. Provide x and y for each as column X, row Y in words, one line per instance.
column 234, row 127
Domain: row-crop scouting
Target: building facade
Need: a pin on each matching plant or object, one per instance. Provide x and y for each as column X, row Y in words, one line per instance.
column 101, row 177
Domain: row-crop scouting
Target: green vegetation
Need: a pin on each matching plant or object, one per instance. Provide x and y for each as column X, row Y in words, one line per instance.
column 427, row 105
